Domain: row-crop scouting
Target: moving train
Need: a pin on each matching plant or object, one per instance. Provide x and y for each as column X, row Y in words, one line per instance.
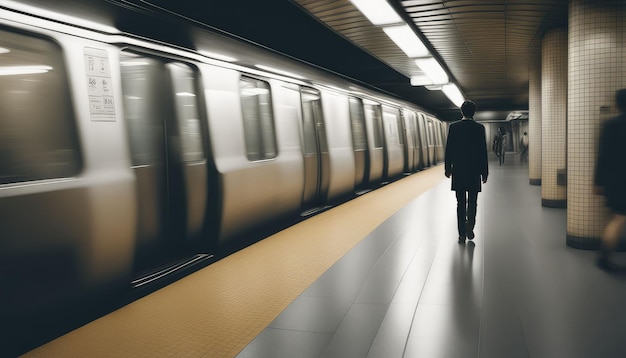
column 120, row 154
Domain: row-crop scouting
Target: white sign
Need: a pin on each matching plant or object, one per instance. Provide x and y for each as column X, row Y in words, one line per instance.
column 99, row 85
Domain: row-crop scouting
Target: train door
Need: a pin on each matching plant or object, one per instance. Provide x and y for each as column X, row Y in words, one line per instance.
column 315, row 147
column 431, row 140
column 393, row 147
column 402, row 141
column 414, row 132
column 359, row 143
column 374, row 125
column 423, row 136
column 440, row 142
column 162, row 113
column 410, row 149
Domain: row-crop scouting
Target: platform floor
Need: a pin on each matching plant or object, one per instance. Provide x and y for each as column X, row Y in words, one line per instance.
column 384, row 276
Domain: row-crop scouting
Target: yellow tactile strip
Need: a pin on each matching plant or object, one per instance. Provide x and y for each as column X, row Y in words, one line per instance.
column 217, row 311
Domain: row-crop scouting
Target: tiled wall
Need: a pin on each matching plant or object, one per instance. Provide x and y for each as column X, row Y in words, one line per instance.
column 596, row 71
column 553, row 117
column 534, row 119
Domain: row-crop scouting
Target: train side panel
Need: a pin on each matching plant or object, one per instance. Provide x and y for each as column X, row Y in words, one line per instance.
column 339, row 137
column 252, row 191
column 66, row 196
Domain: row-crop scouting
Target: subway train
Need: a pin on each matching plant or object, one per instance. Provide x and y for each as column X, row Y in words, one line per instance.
column 123, row 156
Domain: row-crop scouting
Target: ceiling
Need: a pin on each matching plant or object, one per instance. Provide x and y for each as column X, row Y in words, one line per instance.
column 485, row 45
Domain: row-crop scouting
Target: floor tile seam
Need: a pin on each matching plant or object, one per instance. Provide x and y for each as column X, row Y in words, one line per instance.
column 353, row 302
column 395, row 240
column 371, row 236
column 482, row 293
column 406, row 342
column 524, row 335
column 330, row 334
column 494, row 194
column 421, row 241
column 372, row 334
column 382, row 255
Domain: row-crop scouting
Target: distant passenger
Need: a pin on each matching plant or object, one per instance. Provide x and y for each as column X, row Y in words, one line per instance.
column 499, row 144
column 466, row 162
column 524, row 144
column 610, row 179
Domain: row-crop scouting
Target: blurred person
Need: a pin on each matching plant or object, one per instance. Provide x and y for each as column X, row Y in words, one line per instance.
column 610, row 179
column 501, row 143
column 466, row 163
column 524, row 144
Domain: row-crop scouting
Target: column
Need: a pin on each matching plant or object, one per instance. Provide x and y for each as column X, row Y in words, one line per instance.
column 534, row 119
column 554, row 119
column 596, row 70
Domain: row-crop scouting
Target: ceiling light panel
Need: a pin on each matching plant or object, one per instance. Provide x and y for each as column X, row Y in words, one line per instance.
column 379, row 12
column 407, row 40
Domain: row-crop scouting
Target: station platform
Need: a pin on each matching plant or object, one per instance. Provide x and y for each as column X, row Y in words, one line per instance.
column 383, row 275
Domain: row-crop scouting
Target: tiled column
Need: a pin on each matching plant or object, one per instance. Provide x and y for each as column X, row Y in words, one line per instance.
column 534, row 120
column 597, row 57
column 554, row 118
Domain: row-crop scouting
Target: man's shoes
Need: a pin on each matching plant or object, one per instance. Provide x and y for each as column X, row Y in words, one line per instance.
column 461, row 239
column 469, row 230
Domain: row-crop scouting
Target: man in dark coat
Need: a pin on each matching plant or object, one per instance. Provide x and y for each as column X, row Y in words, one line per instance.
column 610, row 178
column 466, row 162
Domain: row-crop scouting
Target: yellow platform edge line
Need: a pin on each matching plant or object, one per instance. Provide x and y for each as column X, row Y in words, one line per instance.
column 217, row 311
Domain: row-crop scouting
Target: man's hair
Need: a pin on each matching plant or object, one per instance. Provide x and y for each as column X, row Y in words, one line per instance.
column 468, row 108
column 620, row 99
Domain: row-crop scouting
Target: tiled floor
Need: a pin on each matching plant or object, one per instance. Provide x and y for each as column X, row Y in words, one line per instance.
column 410, row 290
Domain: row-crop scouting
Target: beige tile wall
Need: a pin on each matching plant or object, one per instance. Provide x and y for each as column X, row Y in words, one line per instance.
column 553, row 116
column 534, row 119
column 596, row 71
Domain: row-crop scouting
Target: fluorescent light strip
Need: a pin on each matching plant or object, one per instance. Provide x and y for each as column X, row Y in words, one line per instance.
column 421, row 81
column 433, row 70
column 453, row 93
column 379, row 12
column 407, row 40
column 280, row 72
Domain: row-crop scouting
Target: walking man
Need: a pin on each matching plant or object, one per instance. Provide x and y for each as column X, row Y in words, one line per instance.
column 466, row 162
column 610, row 179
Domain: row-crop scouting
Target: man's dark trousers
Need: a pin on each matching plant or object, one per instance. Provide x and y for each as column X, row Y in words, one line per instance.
column 466, row 210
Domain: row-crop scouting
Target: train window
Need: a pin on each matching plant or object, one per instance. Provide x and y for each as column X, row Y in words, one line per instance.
column 431, row 137
column 357, row 119
column 401, row 132
column 374, row 111
column 258, row 119
column 187, row 111
column 312, row 121
column 144, row 85
column 391, row 122
column 160, row 99
column 38, row 138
